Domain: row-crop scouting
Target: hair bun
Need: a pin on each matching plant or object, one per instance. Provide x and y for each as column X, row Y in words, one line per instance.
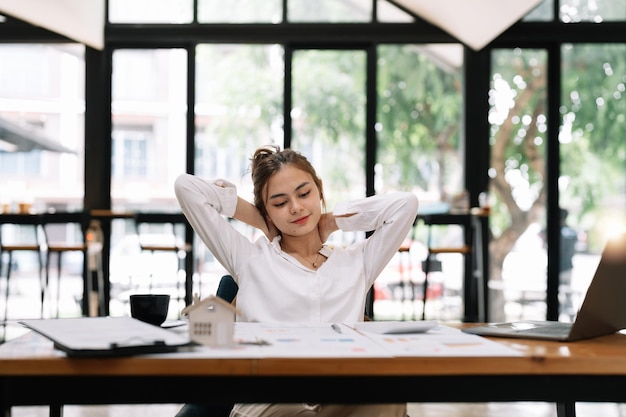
column 263, row 152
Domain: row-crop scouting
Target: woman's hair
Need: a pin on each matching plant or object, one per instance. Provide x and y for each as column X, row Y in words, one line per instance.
column 268, row 160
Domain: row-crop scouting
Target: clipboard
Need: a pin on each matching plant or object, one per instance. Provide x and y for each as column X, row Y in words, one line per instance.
column 107, row 336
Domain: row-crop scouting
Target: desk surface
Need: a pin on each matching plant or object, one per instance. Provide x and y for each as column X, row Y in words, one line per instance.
column 588, row 370
column 33, row 354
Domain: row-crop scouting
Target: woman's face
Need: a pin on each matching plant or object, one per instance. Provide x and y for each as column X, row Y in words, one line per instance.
column 293, row 201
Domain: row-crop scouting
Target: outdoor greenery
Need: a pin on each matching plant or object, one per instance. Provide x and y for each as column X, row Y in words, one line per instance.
column 419, row 121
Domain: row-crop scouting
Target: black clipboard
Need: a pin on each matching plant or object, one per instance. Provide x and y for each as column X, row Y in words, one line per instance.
column 107, row 336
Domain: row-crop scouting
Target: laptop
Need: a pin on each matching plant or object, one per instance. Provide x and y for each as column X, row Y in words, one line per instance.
column 602, row 312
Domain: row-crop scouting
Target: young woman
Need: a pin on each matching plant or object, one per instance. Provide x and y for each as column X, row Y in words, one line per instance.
column 290, row 275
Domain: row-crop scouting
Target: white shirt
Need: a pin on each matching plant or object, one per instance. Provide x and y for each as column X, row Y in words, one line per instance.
column 273, row 285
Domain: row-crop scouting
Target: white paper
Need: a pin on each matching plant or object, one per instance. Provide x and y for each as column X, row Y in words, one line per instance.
column 442, row 341
column 320, row 340
column 103, row 333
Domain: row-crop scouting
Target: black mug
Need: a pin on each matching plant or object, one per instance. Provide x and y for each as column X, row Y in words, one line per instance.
column 150, row 308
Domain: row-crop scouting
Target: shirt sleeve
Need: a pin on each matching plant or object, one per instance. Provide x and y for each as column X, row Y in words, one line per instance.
column 390, row 218
column 207, row 205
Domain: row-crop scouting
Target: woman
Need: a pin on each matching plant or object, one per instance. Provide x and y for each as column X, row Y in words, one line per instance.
column 292, row 276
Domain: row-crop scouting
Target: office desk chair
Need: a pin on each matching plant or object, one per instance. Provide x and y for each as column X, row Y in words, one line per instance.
column 64, row 233
column 19, row 233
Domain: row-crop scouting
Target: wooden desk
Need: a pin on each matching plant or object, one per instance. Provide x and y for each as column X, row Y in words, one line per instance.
column 33, row 373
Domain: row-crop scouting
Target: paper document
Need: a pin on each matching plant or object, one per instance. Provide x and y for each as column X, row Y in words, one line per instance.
column 442, row 341
column 293, row 340
column 339, row 340
column 106, row 336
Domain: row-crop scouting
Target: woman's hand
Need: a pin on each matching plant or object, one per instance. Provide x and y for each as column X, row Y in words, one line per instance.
column 326, row 226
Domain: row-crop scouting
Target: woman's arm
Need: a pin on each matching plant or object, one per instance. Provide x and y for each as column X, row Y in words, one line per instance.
column 207, row 204
column 248, row 213
column 389, row 216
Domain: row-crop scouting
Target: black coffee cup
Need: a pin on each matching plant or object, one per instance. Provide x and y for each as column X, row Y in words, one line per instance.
column 151, row 308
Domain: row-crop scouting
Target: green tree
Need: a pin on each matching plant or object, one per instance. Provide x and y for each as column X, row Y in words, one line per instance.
column 419, row 119
column 592, row 161
column 593, row 151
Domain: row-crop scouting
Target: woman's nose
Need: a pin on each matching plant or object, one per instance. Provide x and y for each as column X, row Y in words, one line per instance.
column 295, row 206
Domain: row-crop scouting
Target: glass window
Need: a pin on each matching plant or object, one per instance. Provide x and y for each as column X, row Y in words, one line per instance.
column 239, row 106
column 329, row 11
column 240, row 11
column 149, row 128
column 41, row 126
column 419, row 147
column 149, row 105
column 419, row 150
column 544, row 12
column 518, row 122
column 572, row 11
column 592, row 185
column 129, row 151
column 150, row 11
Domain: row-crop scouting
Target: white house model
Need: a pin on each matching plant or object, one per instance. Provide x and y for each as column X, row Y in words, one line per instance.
column 211, row 321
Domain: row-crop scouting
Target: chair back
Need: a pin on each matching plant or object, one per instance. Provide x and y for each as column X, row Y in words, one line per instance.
column 161, row 231
column 65, row 230
column 20, row 232
column 227, row 288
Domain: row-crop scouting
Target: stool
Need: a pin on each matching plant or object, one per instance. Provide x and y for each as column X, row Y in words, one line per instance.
column 405, row 271
column 164, row 227
column 431, row 259
column 19, row 233
column 407, row 284
column 64, row 233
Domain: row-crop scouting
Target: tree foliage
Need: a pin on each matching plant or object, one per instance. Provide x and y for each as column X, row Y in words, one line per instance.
column 592, row 117
column 419, row 117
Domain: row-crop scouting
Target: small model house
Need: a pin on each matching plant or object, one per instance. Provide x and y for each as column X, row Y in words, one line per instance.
column 211, row 321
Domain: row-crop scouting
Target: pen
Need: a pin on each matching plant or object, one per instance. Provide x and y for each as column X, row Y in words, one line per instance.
column 336, row 327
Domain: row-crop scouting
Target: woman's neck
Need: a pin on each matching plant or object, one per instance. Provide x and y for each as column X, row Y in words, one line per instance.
column 305, row 246
column 306, row 251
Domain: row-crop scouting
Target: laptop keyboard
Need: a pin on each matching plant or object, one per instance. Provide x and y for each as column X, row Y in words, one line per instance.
column 550, row 329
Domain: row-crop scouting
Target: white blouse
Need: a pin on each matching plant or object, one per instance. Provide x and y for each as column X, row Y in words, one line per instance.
column 273, row 285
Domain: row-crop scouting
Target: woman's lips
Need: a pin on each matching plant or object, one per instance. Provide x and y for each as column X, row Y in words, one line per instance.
column 301, row 220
